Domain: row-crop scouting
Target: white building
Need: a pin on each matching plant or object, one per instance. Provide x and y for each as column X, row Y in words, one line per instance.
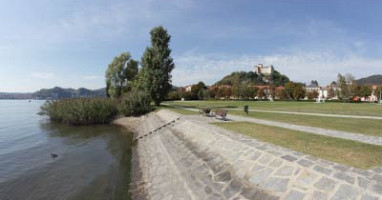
column 188, row 88
column 264, row 70
column 313, row 86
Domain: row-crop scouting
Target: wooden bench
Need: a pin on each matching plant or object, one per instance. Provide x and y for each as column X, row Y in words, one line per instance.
column 222, row 113
column 205, row 111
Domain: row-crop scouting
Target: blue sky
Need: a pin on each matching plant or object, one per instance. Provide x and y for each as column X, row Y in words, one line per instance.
column 69, row 43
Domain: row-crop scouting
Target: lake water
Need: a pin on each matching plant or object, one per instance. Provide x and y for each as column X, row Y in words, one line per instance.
column 93, row 161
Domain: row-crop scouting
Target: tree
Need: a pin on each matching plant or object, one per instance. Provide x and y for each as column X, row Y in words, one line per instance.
column 343, row 91
column 196, row 90
column 331, row 93
column 378, row 92
column 272, row 91
column 174, row 95
column 279, row 79
column 298, row 92
column 120, row 72
column 349, row 78
column 236, row 88
column 313, row 94
column 289, row 89
column 365, row 91
column 157, row 64
column 295, row 90
column 213, row 91
column 248, row 92
column 261, row 93
column 281, row 94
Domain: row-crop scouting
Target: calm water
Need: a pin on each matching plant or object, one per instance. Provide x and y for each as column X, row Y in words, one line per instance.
column 93, row 162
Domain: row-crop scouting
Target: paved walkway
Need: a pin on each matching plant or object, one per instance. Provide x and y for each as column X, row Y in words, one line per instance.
column 327, row 132
column 191, row 159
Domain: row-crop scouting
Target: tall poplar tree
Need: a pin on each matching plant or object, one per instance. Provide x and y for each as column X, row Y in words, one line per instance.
column 157, row 64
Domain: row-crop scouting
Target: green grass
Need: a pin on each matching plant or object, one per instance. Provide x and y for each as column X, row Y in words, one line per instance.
column 356, row 154
column 177, row 110
column 364, row 126
column 311, row 107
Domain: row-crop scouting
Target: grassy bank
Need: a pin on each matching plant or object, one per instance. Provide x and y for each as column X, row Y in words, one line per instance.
column 177, row 110
column 311, row 107
column 342, row 151
column 364, row 126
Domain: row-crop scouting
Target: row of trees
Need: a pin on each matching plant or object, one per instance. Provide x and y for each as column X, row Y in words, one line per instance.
column 348, row 88
column 123, row 75
column 200, row 91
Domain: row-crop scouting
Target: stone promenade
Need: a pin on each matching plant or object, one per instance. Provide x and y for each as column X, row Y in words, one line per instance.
column 179, row 157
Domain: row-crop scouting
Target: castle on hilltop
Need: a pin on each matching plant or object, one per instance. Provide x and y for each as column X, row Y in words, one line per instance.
column 264, row 70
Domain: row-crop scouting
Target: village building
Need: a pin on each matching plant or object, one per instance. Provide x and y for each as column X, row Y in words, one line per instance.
column 188, row 88
column 373, row 97
column 313, row 86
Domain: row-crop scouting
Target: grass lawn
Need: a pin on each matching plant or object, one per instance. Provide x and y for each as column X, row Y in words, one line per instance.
column 356, row 154
column 177, row 110
column 328, row 108
column 364, row 126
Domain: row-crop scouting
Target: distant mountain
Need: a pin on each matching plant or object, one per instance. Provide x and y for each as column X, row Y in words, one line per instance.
column 371, row 80
column 61, row 93
column 55, row 93
column 11, row 95
column 255, row 79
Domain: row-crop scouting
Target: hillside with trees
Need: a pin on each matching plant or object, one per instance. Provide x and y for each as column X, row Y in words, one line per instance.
column 65, row 93
column 251, row 78
column 370, row 80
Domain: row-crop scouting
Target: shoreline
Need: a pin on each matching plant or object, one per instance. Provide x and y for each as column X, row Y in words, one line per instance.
column 137, row 189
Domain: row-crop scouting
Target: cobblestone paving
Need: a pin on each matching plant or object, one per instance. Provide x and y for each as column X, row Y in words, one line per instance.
column 190, row 159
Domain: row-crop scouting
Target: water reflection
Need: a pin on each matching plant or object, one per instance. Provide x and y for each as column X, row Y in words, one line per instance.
column 93, row 163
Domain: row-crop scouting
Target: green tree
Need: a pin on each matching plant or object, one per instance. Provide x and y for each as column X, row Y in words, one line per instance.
column 343, row 91
column 236, row 87
column 197, row 89
column 378, row 92
column 298, row 92
column 295, row 90
column 248, row 92
column 157, row 64
column 365, row 91
column 120, row 72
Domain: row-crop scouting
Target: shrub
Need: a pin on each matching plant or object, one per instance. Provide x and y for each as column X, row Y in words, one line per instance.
column 81, row 111
column 135, row 103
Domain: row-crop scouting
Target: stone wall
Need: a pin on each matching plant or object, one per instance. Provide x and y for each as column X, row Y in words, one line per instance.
column 190, row 159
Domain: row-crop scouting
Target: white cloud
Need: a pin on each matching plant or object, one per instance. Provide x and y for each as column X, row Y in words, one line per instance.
column 298, row 66
column 43, row 75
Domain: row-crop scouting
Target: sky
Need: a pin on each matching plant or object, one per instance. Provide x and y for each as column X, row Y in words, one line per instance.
column 69, row 43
